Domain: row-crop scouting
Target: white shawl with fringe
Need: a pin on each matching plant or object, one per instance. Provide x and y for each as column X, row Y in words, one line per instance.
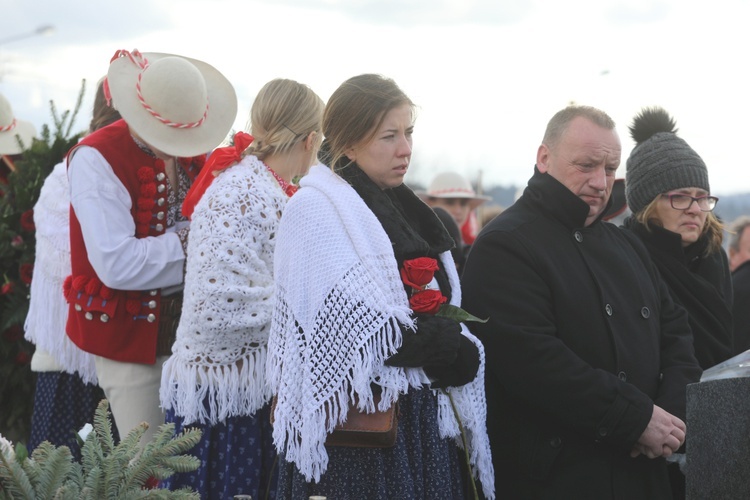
column 220, row 349
column 339, row 302
column 48, row 309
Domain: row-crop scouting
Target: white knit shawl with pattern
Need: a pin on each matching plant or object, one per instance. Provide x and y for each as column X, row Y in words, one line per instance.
column 339, row 302
column 48, row 309
column 220, row 350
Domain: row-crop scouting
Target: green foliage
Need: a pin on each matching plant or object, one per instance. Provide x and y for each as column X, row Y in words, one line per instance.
column 17, row 246
column 106, row 471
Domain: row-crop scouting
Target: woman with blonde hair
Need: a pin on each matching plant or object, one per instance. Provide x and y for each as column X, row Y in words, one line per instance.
column 215, row 378
column 363, row 270
column 667, row 190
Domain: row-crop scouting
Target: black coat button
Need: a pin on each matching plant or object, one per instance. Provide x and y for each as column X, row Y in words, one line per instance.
column 578, row 236
column 645, row 312
column 555, row 442
column 623, row 376
column 608, row 309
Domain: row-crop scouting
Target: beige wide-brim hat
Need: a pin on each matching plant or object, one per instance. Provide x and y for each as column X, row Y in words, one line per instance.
column 180, row 106
column 12, row 129
column 452, row 185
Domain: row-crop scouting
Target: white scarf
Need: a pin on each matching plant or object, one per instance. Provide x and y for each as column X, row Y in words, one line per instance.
column 339, row 303
column 48, row 309
column 220, row 350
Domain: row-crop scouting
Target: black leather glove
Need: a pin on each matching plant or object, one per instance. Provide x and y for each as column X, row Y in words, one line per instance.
column 462, row 371
column 436, row 343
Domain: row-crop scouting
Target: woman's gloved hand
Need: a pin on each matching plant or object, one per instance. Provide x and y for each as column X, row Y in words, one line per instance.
column 435, row 343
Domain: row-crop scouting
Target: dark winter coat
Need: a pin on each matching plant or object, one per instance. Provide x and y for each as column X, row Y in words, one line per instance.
column 741, row 308
column 701, row 284
column 583, row 338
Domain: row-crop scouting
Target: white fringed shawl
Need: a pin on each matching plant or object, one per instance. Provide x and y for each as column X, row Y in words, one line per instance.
column 339, row 302
column 48, row 309
column 220, row 350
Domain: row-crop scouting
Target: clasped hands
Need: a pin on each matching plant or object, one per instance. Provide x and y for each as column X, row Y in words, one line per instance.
column 664, row 435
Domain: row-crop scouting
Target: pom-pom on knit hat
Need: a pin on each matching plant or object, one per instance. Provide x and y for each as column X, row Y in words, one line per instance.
column 660, row 161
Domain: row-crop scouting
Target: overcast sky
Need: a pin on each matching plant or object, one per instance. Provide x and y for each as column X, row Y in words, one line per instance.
column 486, row 74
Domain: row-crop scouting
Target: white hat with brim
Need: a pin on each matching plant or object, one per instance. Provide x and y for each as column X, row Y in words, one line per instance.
column 177, row 105
column 12, row 130
column 452, row 185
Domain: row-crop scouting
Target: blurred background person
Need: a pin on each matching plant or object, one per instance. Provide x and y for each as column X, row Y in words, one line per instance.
column 739, row 263
column 15, row 136
column 453, row 192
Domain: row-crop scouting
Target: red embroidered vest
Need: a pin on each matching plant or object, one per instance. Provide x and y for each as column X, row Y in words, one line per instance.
column 120, row 324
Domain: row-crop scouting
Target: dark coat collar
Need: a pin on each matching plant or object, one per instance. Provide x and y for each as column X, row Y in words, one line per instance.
column 557, row 201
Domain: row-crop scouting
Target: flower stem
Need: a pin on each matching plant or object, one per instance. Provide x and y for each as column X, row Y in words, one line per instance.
column 466, row 447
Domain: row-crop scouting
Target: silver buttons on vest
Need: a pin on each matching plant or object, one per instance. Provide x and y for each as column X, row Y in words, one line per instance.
column 88, row 316
column 160, row 176
column 77, row 307
column 161, row 188
column 160, row 215
column 152, row 304
column 104, row 318
column 159, row 227
column 151, row 318
column 161, row 202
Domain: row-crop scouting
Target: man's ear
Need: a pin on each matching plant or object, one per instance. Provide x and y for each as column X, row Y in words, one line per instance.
column 542, row 158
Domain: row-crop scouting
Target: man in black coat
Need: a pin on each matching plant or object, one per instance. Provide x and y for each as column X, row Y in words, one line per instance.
column 739, row 263
column 588, row 357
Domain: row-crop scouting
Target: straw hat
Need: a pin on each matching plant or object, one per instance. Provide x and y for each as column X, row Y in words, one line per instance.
column 11, row 129
column 452, row 185
column 181, row 106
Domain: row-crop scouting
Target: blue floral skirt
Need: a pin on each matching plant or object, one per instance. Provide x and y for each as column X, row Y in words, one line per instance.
column 420, row 466
column 237, row 458
column 63, row 404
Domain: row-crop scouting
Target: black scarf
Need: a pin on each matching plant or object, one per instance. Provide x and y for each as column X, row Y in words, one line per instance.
column 411, row 225
column 699, row 283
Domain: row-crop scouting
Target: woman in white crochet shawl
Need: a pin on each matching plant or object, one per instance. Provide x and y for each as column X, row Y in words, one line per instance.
column 346, row 325
column 215, row 378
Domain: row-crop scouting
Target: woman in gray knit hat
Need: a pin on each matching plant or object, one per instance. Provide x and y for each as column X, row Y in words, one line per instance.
column 667, row 189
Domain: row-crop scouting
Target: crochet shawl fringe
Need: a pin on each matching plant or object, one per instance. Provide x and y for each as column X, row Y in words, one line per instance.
column 48, row 309
column 337, row 319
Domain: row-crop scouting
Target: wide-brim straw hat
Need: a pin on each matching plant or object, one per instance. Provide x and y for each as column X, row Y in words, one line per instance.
column 180, row 106
column 12, row 129
column 452, row 185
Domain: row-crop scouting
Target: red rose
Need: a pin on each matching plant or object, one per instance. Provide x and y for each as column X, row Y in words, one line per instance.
column 417, row 273
column 27, row 221
column 23, row 358
column 6, row 288
column 25, row 272
column 427, row 301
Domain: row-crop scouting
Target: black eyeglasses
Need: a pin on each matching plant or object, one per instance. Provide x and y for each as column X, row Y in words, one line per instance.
column 683, row 202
